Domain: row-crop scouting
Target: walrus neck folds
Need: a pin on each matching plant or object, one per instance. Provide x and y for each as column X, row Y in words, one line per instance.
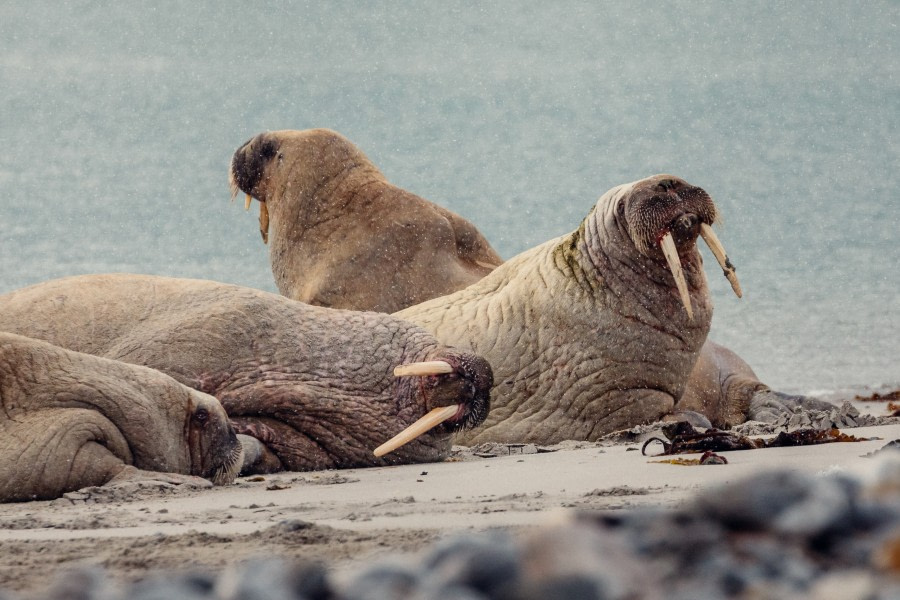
column 319, row 198
column 603, row 257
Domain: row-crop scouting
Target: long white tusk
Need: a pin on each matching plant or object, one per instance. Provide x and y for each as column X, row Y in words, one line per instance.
column 667, row 243
column 718, row 250
column 429, row 421
column 264, row 222
column 247, row 201
column 431, row 367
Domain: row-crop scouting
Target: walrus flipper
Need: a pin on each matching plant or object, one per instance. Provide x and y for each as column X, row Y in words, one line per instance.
column 769, row 406
column 49, row 452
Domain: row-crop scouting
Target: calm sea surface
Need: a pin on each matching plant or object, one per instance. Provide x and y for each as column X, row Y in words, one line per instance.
column 117, row 123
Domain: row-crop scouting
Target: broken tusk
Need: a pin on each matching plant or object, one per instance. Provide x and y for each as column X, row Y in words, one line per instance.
column 264, row 222
column 247, row 202
column 667, row 243
column 431, row 367
column 434, row 418
column 712, row 240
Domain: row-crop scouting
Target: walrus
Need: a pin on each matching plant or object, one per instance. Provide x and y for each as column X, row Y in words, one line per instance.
column 721, row 386
column 338, row 230
column 597, row 330
column 313, row 385
column 71, row 420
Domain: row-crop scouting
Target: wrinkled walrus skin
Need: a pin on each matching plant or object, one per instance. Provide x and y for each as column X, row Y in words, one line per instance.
column 337, row 229
column 314, row 385
column 71, row 420
column 586, row 333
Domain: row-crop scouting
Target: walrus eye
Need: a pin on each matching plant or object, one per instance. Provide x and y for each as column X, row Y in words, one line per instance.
column 201, row 416
column 620, row 208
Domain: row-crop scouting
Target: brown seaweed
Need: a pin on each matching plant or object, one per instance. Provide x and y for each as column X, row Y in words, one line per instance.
column 683, row 438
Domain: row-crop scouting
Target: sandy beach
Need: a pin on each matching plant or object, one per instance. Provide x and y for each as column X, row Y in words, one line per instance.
column 351, row 518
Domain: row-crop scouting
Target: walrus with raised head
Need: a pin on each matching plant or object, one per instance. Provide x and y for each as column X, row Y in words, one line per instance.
column 338, row 230
column 71, row 420
column 599, row 329
column 313, row 386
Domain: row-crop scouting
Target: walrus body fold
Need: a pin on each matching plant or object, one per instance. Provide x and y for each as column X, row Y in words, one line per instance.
column 313, row 385
column 71, row 420
column 341, row 236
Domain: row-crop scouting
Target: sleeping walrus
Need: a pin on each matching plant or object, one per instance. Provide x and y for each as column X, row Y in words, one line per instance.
column 71, row 420
column 313, row 385
column 338, row 230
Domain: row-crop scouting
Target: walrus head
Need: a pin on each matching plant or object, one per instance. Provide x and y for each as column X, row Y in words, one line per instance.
column 214, row 450
column 454, row 389
column 662, row 216
column 275, row 162
column 429, row 397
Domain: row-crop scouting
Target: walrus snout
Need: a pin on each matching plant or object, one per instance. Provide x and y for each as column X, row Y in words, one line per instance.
column 478, row 376
column 667, row 206
column 665, row 215
column 457, row 395
column 248, row 164
column 468, row 385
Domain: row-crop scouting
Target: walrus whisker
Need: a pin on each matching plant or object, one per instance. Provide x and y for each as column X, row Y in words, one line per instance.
column 434, row 418
column 226, row 472
column 232, row 185
column 718, row 250
column 429, row 367
column 667, row 243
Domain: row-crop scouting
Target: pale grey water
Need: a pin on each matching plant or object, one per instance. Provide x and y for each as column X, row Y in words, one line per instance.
column 118, row 122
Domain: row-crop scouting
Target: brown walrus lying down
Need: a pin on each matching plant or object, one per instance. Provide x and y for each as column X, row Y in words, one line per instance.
column 337, row 229
column 71, row 420
column 601, row 329
column 313, row 385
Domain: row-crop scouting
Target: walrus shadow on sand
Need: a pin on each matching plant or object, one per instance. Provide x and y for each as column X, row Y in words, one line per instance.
column 71, row 420
column 587, row 333
column 306, row 387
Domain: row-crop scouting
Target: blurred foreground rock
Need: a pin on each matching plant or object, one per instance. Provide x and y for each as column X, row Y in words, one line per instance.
column 775, row 535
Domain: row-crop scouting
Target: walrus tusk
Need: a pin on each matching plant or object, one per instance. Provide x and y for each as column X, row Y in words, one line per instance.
column 431, row 367
column 667, row 243
column 247, row 202
column 264, row 222
column 434, row 418
column 712, row 240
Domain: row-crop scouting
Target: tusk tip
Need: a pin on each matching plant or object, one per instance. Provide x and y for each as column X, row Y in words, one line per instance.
column 431, row 420
column 735, row 284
